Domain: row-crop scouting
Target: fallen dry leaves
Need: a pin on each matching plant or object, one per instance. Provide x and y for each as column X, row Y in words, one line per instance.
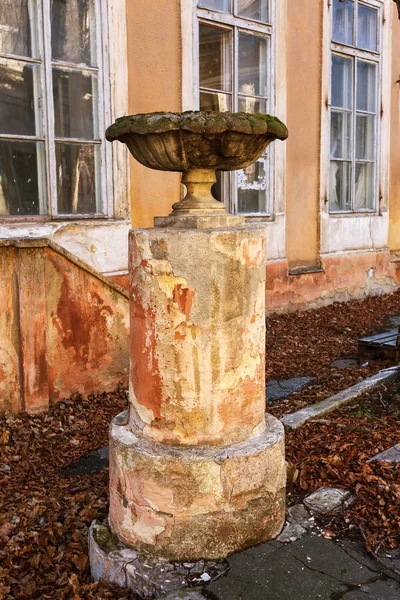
column 305, row 344
column 334, row 451
column 44, row 516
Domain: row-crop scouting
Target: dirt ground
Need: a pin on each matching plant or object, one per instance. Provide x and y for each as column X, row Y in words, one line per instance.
column 44, row 516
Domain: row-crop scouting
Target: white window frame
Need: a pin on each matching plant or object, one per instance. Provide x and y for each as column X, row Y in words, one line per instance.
column 355, row 53
column 359, row 230
column 112, row 102
column 236, row 24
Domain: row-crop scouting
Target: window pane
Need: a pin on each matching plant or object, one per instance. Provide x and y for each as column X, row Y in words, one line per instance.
column 340, row 186
column 367, row 27
column 365, row 137
column 252, row 65
column 251, row 105
column 364, row 186
column 20, row 188
column 340, row 134
column 222, row 5
column 74, row 102
column 366, row 86
column 215, row 58
column 73, row 31
column 253, row 9
column 342, row 82
column 343, row 21
column 77, row 177
column 17, row 98
column 252, row 185
column 219, row 102
column 18, row 27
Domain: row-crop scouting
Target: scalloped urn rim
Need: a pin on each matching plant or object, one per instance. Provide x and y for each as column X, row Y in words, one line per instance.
column 202, row 122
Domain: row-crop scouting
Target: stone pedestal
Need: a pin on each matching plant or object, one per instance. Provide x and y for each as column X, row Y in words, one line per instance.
column 196, row 470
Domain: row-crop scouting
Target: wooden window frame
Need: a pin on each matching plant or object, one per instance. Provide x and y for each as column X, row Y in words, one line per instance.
column 355, row 53
column 236, row 24
column 111, row 102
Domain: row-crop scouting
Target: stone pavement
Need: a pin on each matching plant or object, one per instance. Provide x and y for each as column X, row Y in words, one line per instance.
column 311, row 568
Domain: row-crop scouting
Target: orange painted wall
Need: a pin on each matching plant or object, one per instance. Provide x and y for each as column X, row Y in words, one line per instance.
column 304, row 56
column 394, row 191
column 154, row 67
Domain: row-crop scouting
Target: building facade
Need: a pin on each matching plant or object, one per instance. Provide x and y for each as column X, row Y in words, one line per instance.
column 329, row 195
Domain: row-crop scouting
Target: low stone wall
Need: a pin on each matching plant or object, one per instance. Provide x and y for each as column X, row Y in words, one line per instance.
column 64, row 328
column 342, row 277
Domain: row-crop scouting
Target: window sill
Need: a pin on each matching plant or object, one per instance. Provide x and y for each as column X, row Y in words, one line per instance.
column 64, row 219
column 259, row 218
column 353, row 213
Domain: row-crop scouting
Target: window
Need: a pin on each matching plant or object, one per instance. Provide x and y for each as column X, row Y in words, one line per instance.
column 355, row 69
column 51, row 111
column 236, row 74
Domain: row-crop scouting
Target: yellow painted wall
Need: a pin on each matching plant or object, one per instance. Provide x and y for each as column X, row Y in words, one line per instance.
column 154, row 67
column 394, row 189
column 304, row 56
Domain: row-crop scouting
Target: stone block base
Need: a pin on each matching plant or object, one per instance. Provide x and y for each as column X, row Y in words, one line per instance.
column 185, row 503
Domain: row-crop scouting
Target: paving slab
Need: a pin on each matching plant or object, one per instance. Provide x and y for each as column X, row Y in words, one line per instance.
column 312, row 568
column 279, row 390
column 389, row 455
column 344, row 363
column 298, row 418
column 90, row 463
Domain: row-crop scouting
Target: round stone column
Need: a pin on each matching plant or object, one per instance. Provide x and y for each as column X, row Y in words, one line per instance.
column 196, row 470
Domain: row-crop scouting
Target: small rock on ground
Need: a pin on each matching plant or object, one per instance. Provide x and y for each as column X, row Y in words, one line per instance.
column 326, row 500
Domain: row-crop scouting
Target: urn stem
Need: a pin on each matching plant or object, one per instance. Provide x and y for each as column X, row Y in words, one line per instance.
column 198, row 183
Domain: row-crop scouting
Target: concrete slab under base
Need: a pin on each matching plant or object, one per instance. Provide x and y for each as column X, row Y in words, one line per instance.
column 186, row 503
column 113, row 562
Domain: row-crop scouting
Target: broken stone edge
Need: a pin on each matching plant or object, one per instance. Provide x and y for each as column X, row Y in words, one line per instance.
column 298, row 418
column 115, row 563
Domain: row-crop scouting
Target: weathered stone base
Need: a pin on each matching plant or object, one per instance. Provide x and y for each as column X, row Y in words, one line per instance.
column 188, row 503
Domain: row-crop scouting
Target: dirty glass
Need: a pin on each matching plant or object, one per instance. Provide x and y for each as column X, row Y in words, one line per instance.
column 342, row 82
column 215, row 58
column 73, row 37
column 218, row 102
column 365, row 137
column 252, row 65
column 74, row 93
column 77, row 178
column 367, row 27
column 252, row 186
column 222, row 5
column 366, row 86
column 251, row 105
column 17, row 98
column 18, row 27
column 343, row 21
column 256, row 10
column 364, row 186
column 340, row 186
column 19, row 184
column 341, row 134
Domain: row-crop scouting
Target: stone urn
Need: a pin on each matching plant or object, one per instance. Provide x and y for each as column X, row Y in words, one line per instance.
column 197, row 469
column 197, row 144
